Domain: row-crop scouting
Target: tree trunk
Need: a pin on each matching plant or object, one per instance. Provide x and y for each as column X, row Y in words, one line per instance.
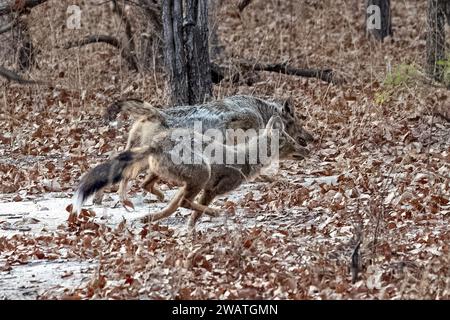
column 447, row 11
column 197, row 51
column 186, row 50
column 25, row 51
column 150, row 43
column 378, row 18
column 174, row 52
column 436, row 38
column 7, row 47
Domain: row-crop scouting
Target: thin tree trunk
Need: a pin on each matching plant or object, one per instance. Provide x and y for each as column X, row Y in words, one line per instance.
column 197, row 51
column 378, row 18
column 174, row 52
column 7, row 47
column 151, row 41
column 128, row 46
column 186, row 52
column 436, row 38
column 25, row 51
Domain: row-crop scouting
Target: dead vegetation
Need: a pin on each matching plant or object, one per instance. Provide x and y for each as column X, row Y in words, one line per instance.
column 383, row 134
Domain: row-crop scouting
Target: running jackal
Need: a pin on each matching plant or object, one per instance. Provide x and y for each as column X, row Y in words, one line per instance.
column 236, row 112
column 202, row 172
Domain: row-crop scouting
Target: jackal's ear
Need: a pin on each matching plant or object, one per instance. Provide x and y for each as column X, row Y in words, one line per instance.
column 288, row 108
column 275, row 122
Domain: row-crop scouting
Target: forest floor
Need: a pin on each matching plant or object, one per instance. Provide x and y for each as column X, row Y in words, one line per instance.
column 376, row 185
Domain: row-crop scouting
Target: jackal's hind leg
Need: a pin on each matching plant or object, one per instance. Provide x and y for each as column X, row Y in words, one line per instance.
column 98, row 197
column 123, row 187
column 192, row 191
column 206, row 198
column 149, row 185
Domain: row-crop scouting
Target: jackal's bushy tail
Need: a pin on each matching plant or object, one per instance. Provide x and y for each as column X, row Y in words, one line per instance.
column 107, row 173
column 133, row 106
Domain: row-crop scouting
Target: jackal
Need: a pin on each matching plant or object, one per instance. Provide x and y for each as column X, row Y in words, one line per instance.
column 236, row 112
column 213, row 177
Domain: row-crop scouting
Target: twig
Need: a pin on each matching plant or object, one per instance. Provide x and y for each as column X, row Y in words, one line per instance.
column 380, row 215
column 97, row 38
column 355, row 266
column 13, row 76
column 101, row 38
column 322, row 74
column 355, row 263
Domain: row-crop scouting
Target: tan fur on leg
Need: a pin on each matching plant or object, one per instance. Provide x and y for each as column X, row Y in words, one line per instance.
column 202, row 208
column 206, row 198
column 149, row 185
column 98, row 197
column 173, row 205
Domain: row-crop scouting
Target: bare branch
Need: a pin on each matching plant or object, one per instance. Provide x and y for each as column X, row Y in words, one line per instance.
column 18, row 6
column 322, row 74
column 13, row 76
column 102, row 38
column 96, row 38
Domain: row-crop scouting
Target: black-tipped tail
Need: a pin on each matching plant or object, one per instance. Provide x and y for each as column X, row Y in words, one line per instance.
column 103, row 175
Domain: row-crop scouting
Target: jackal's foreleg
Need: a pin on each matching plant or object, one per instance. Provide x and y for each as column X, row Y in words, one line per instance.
column 173, row 205
column 201, row 208
column 206, row 198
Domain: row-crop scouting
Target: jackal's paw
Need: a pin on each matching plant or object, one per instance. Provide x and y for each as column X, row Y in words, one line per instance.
column 191, row 226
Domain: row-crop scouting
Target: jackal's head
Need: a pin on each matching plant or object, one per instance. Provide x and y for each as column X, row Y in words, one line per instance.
column 289, row 148
column 292, row 124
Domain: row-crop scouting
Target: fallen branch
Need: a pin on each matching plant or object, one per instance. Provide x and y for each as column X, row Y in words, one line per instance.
column 18, row 6
column 322, row 74
column 97, row 38
column 101, row 38
column 13, row 76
